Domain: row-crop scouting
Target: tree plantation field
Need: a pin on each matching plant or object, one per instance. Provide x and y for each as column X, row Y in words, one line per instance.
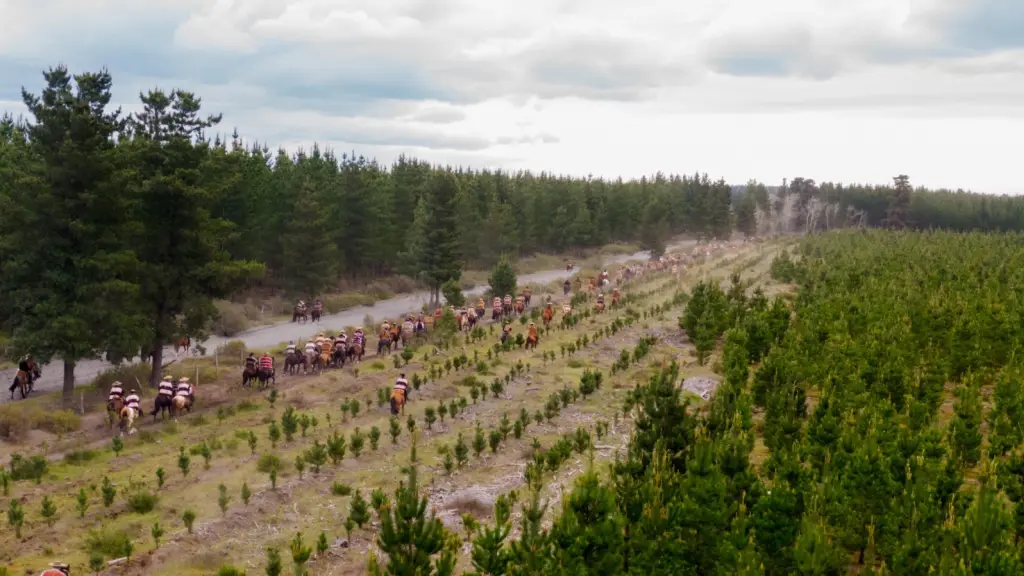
column 476, row 416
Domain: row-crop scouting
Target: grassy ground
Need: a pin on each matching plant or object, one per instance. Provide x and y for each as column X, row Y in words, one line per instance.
column 81, row 459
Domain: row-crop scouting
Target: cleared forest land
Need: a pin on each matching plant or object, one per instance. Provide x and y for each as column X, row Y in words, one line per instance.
column 313, row 501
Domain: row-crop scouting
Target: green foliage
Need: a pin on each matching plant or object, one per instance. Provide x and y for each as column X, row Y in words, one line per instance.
column 414, row 541
column 502, row 280
column 359, row 510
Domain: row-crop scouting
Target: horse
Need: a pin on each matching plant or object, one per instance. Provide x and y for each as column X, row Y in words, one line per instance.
column 339, row 356
column 292, row 362
column 248, row 375
column 384, row 344
column 355, row 352
column 114, row 406
column 527, row 295
column 161, row 406
column 599, row 307
column 548, row 314
column 323, row 360
column 397, row 401
column 266, row 377
column 496, row 313
column 310, row 361
column 408, row 331
column 127, row 420
column 532, row 338
column 519, row 306
column 615, row 298
column 24, row 382
column 299, row 315
column 180, row 404
column 396, row 335
column 183, row 342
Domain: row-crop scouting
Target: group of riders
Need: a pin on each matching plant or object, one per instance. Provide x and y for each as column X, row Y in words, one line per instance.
column 173, row 396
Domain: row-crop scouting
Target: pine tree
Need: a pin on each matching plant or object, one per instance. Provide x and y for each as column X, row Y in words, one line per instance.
column 490, row 554
column 359, row 510
column 72, row 219
column 414, row 541
column 413, row 258
column 183, row 251
column 502, row 279
column 308, row 253
column 441, row 260
column 588, row 536
column 897, row 214
column 746, row 215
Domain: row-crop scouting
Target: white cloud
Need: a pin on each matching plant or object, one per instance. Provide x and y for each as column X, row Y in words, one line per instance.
column 855, row 90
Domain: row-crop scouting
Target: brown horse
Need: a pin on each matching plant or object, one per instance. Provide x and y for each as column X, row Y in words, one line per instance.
column 548, row 314
column 114, row 406
column 532, row 338
column 323, row 360
column 615, row 297
column 183, row 342
column 384, row 344
column 398, row 401
column 396, row 335
column 519, row 306
column 355, row 352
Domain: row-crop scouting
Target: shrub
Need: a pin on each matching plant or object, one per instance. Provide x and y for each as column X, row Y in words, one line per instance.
column 140, row 499
column 230, row 319
column 267, row 462
column 339, row 489
column 32, row 468
column 232, row 350
column 80, row 457
column 107, row 542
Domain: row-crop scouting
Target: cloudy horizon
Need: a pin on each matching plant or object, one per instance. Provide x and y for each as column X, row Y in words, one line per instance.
column 855, row 91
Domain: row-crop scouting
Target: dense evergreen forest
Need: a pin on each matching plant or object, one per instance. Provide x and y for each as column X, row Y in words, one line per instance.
column 117, row 230
column 864, row 408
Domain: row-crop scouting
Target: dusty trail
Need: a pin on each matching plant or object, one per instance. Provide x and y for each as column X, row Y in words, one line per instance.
column 268, row 336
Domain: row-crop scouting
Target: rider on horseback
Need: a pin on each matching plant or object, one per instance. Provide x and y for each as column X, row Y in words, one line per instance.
column 250, row 363
column 403, row 385
column 185, row 389
column 506, row 332
column 290, row 349
column 26, row 366
column 116, row 391
column 266, row 363
column 166, row 388
column 310, row 348
column 132, row 401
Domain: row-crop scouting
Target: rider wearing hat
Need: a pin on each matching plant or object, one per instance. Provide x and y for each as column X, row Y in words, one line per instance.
column 132, row 401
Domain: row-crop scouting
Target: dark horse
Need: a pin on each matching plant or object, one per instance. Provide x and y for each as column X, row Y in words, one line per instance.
column 248, row 375
column 300, row 315
column 162, row 406
column 28, row 372
column 292, row 362
column 315, row 315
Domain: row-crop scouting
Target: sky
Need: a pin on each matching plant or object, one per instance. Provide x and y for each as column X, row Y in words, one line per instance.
column 856, row 91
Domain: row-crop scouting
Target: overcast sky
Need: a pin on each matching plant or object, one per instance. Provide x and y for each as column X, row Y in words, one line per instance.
column 849, row 90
